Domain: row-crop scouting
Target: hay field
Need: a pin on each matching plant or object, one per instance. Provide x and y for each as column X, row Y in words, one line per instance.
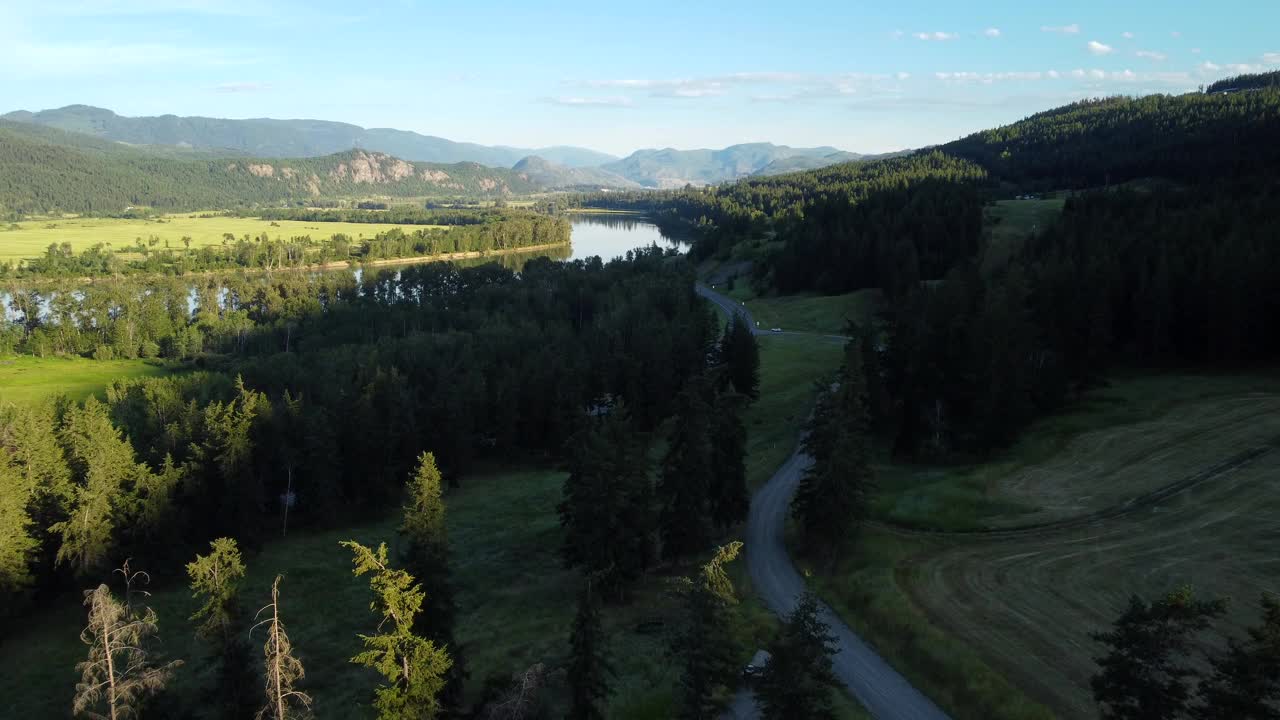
column 1026, row 600
column 32, row 237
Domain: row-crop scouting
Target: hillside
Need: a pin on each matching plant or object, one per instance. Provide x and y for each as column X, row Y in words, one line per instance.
column 541, row 171
column 670, row 168
column 796, row 163
column 42, row 169
column 263, row 137
column 1114, row 140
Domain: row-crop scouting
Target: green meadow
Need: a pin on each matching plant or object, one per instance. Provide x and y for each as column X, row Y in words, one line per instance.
column 25, row 379
column 32, row 237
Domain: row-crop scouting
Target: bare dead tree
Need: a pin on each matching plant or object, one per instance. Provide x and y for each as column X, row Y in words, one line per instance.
column 524, row 697
column 282, row 668
column 119, row 670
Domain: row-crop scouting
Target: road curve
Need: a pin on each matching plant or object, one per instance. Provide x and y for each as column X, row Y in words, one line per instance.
column 881, row 690
column 732, row 307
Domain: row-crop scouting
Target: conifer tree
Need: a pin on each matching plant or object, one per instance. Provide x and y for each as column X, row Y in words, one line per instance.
column 798, row 681
column 704, row 644
column 738, row 350
column 16, row 542
column 121, row 671
column 729, row 497
column 216, row 578
column 415, row 668
column 606, row 506
column 1245, row 680
column 281, row 670
column 1144, row 673
column 589, row 667
column 685, row 486
column 426, row 557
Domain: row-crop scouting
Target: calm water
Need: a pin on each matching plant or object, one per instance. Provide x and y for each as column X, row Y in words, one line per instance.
column 611, row 236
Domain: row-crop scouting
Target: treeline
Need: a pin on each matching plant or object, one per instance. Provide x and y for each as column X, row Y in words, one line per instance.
column 395, row 215
column 497, row 232
column 1094, row 143
column 1245, row 82
column 1174, row 278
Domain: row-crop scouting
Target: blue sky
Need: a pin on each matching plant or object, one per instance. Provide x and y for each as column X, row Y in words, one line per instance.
column 617, row 76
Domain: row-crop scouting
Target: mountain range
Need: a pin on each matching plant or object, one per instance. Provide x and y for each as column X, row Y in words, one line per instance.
column 550, row 167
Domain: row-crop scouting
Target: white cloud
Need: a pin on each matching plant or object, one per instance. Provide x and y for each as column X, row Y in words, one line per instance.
column 1209, row 66
column 603, row 102
column 1175, row 34
column 1152, row 55
column 897, row 34
column 1098, row 48
column 992, row 32
column 1098, row 74
column 1126, row 35
column 1072, row 29
column 903, row 76
column 780, row 86
column 1271, row 58
column 241, row 87
column 941, row 36
column 1195, row 51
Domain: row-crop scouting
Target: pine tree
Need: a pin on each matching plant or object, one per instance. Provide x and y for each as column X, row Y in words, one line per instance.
column 426, row 557
column 109, row 487
column 704, row 643
column 685, row 486
column 738, row 350
column 729, row 497
column 281, row 669
column 835, row 491
column 414, row 667
column 1144, row 674
column 120, row 673
column 606, row 506
column 798, row 681
column 216, row 578
column 589, row 667
column 1245, row 680
column 16, row 542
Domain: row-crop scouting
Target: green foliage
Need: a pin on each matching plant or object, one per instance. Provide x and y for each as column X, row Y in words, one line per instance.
column 1144, row 674
column 589, row 667
column 415, row 668
column 739, row 352
column 834, row 495
column 684, row 522
column 606, row 510
column 704, row 643
column 16, row 541
column 1245, row 680
column 1257, row 81
column 216, row 577
column 798, row 680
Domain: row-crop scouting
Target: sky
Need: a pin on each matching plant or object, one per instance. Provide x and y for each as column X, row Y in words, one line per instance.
column 617, row 76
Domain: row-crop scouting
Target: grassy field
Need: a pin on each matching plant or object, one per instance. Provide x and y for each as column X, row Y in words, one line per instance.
column 27, row 379
column 1011, row 221
column 32, row 237
column 790, row 365
column 997, row 626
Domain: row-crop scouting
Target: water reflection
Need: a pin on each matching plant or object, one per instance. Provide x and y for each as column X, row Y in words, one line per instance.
column 611, row 235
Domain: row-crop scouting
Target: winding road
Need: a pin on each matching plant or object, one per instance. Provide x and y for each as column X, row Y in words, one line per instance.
column 881, row 690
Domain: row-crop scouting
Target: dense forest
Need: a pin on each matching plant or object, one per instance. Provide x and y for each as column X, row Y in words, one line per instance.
column 43, row 170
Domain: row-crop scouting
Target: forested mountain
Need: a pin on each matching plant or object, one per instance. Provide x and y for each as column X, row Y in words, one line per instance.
column 543, row 172
column 43, row 169
column 1113, row 140
column 670, row 168
column 264, row 137
column 797, row 163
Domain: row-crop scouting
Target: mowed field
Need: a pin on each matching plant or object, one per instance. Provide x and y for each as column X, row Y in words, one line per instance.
column 1190, row 496
column 33, row 237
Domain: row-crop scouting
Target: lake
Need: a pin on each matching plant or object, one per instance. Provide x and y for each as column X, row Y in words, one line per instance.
column 611, row 235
